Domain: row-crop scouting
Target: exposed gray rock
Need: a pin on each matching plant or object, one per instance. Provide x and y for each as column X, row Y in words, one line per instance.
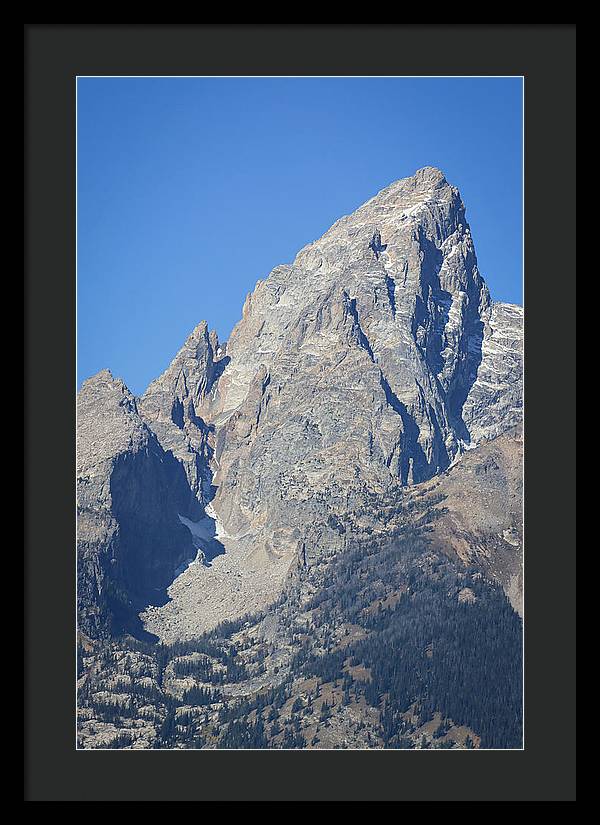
column 495, row 400
column 357, row 367
column 374, row 359
column 129, row 494
column 348, row 470
column 353, row 362
column 172, row 404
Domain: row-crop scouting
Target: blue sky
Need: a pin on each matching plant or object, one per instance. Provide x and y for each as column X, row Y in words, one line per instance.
column 191, row 189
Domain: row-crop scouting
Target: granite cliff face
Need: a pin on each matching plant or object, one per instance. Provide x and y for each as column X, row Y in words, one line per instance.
column 318, row 513
column 495, row 400
column 367, row 344
column 172, row 402
column 373, row 361
column 129, row 494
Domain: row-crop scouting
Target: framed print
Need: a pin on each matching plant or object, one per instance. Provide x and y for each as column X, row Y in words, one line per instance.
column 289, row 291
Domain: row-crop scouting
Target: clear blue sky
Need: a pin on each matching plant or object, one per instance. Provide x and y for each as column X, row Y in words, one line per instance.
column 191, row 189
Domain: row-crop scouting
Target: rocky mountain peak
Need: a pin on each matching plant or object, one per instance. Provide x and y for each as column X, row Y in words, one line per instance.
column 173, row 405
column 352, row 366
column 372, row 361
column 405, row 262
column 107, row 420
column 317, row 511
column 186, row 380
column 130, row 492
column 429, row 175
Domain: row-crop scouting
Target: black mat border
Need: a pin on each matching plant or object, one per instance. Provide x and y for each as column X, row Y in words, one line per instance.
column 545, row 55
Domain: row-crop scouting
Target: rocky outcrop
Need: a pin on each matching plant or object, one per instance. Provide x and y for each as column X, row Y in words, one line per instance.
column 130, row 492
column 363, row 364
column 353, row 363
column 374, row 360
column 173, row 403
column 323, row 510
column 495, row 400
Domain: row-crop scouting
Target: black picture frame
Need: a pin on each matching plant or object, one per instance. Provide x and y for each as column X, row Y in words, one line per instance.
column 545, row 55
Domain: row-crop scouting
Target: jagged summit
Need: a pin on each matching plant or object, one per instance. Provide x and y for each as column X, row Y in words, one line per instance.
column 324, row 509
column 173, row 404
column 107, row 420
column 429, row 173
column 104, row 382
column 129, row 494
column 100, row 376
column 425, row 181
column 188, row 375
column 403, row 200
column 372, row 361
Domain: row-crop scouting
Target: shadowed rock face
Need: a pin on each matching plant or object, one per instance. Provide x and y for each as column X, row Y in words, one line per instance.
column 374, row 359
column 173, row 402
column 129, row 494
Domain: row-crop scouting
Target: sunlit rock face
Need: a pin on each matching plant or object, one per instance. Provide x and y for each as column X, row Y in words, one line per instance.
column 495, row 399
column 374, row 359
column 352, row 365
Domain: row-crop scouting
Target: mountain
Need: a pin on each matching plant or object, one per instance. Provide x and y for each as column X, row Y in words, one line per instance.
column 370, row 387
column 129, row 496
